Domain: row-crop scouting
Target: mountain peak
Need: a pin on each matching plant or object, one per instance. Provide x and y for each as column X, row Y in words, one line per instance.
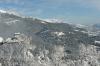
column 3, row 11
column 9, row 12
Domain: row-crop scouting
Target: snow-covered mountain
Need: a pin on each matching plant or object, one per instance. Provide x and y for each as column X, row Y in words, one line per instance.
column 9, row 12
column 53, row 20
column 35, row 42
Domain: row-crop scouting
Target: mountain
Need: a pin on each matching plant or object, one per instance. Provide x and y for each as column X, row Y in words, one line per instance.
column 97, row 25
column 26, row 41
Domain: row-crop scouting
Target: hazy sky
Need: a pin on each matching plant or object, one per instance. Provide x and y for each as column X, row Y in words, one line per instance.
column 75, row 11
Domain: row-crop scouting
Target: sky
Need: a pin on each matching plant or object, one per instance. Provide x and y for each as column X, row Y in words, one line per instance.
column 72, row 11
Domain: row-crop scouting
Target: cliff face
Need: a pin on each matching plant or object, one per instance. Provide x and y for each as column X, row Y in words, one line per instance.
column 34, row 42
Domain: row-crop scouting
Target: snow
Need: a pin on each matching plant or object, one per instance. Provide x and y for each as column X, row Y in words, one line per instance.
column 17, row 33
column 29, row 54
column 97, row 42
column 2, row 11
column 92, row 33
column 8, row 40
column 53, row 20
column 9, row 12
column 84, row 32
column 81, row 31
column 1, row 39
column 59, row 33
column 11, row 22
column 43, row 22
column 71, row 32
column 80, row 26
column 76, row 30
column 0, row 64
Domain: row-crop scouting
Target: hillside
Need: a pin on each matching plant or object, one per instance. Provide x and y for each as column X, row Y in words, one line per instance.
column 34, row 42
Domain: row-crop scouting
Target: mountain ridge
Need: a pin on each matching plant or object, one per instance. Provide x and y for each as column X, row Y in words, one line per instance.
column 34, row 42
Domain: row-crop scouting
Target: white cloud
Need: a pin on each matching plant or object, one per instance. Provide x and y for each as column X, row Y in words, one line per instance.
column 92, row 3
column 86, row 3
column 19, row 2
column 9, row 1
